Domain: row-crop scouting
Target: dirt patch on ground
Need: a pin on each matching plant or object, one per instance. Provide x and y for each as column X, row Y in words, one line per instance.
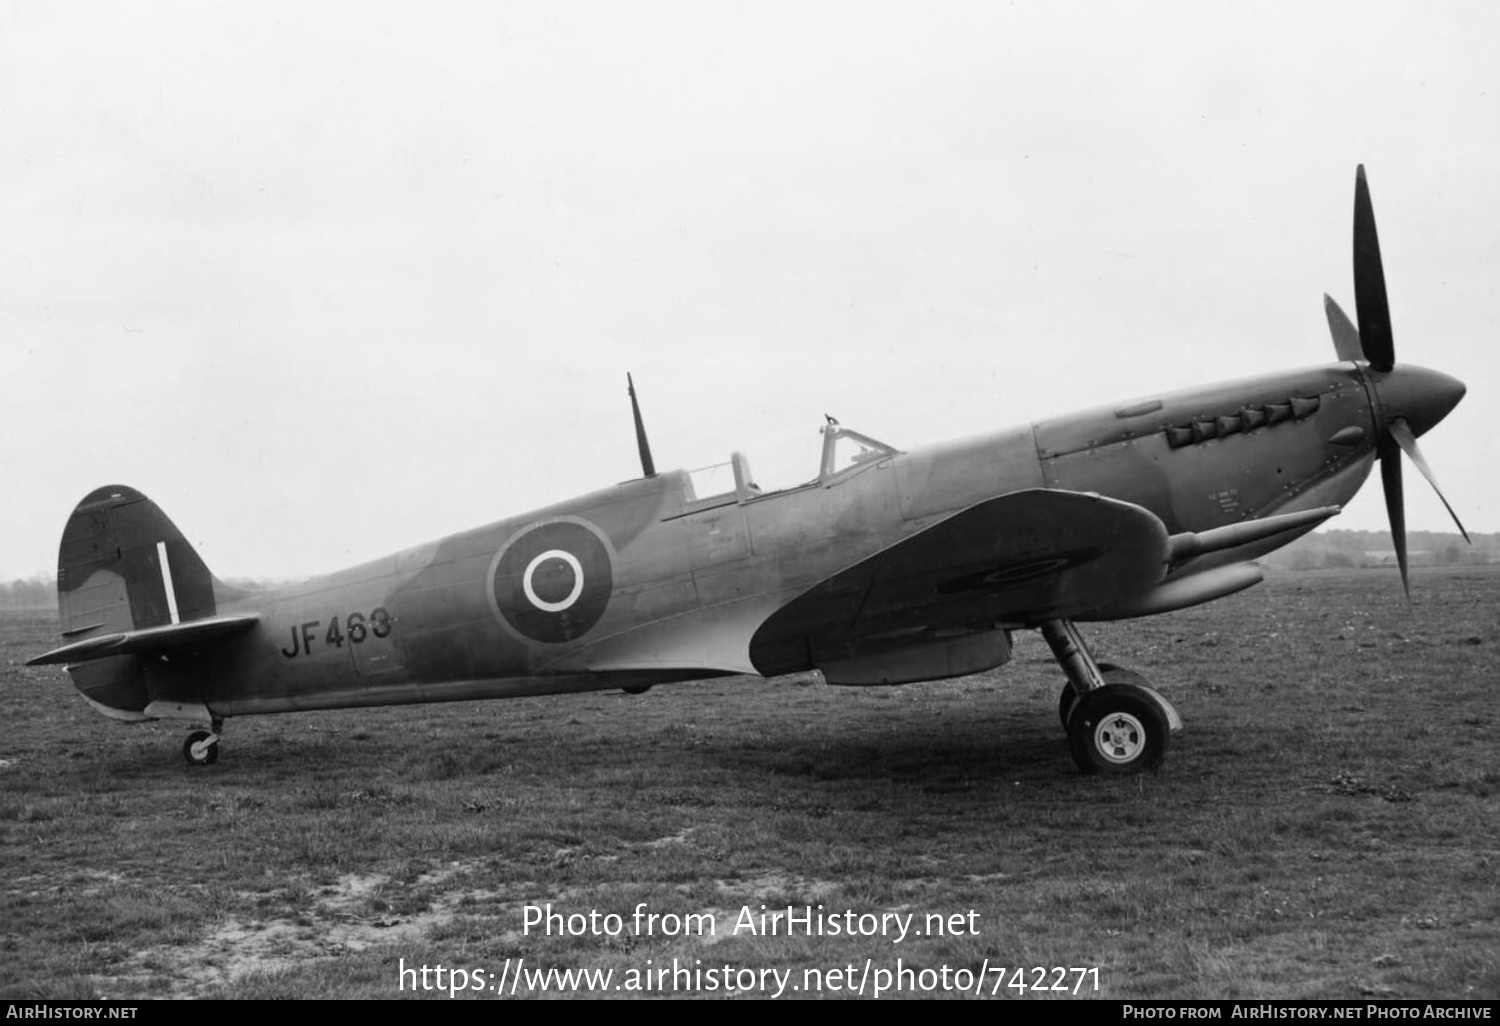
column 336, row 921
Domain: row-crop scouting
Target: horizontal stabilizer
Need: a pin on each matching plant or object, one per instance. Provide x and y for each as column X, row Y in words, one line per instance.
column 151, row 640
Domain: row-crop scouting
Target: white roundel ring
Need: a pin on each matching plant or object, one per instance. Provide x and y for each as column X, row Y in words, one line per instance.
column 531, row 591
column 572, row 596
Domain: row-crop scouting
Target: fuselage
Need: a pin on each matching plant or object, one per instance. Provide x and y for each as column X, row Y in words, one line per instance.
column 650, row 581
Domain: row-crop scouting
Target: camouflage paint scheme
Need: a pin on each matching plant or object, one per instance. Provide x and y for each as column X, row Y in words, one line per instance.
column 888, row 567
column 676, row 589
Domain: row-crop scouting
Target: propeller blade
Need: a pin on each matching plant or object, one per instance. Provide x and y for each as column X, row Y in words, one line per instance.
column 1345, row 334
column 1401, row 431
column 1370, row 304
column 1390, row 477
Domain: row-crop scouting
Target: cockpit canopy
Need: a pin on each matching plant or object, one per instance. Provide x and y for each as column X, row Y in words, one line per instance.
column 789, row 461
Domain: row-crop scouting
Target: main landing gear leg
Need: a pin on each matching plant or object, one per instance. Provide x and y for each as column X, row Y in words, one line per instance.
column 1073, row 655
column 1115, row 722
column 202, row 746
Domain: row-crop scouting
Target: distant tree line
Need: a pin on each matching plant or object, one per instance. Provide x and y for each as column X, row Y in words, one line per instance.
column 40, row 592
column 34, row 593
column 1346, row 549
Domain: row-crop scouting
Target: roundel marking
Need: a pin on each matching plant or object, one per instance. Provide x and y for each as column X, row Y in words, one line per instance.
column 528, row 580
column 552, row 581
column 1024, row 572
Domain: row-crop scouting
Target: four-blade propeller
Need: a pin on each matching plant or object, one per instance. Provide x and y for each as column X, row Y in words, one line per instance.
column 1374, row 343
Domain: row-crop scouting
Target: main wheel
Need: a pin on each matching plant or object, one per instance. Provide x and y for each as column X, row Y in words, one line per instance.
column 1117, row 729
column 197, row 753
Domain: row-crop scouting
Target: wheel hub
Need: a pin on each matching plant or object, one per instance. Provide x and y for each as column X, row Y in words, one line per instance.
column 1119, row 737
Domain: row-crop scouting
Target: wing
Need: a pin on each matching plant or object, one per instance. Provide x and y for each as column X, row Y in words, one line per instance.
column 1012, row 561
column 151, row 639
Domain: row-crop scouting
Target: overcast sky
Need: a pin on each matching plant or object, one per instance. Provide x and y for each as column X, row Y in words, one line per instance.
column 326, row 280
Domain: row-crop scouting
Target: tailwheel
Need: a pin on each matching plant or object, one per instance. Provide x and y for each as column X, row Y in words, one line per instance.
column 201, row 748
column 1118, row 728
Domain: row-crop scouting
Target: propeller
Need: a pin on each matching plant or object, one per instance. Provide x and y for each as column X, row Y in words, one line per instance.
column 1401, row 431
column 1402, row 394
column 1345, row 334
column 1375, row 337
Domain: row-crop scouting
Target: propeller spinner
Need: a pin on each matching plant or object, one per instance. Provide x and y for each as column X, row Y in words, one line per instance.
column 1408, row 400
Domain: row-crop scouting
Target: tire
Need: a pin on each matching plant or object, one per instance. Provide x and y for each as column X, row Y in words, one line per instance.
column 1065, row 703
column 209, row 756
column 1113, row 674
column 1117, row 729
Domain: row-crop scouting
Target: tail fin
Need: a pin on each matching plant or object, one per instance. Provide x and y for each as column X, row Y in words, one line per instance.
column 130, row 586
column 124, row 566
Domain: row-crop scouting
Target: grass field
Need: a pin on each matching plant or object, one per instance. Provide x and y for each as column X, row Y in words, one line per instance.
column 1328, row 824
